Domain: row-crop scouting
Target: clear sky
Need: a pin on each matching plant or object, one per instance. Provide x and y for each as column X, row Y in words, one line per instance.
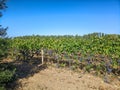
column 61, row 17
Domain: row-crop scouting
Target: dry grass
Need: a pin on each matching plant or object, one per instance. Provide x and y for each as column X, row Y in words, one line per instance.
column 33, row 76
column 62, row 79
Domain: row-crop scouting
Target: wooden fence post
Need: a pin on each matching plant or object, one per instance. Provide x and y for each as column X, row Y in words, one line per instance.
column 42, row 52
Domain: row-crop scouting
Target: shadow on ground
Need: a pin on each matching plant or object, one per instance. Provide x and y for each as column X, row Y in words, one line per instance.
column 25, row 69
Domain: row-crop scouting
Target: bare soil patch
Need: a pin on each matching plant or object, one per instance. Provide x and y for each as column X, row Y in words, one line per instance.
column 63, row 79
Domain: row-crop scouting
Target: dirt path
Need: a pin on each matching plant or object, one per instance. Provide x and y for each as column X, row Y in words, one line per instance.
column 61, row 79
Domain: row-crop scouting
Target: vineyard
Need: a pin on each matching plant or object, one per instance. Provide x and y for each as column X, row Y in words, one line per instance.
column 95, row 53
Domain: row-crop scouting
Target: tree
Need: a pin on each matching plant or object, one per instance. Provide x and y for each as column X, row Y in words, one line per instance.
column 3, row 42
column 2, row 7
column 6, row 73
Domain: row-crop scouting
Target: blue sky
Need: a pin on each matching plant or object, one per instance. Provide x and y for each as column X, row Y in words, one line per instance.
column 61, row 17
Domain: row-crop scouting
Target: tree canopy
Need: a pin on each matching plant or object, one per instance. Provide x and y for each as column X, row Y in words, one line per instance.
column 2, row 7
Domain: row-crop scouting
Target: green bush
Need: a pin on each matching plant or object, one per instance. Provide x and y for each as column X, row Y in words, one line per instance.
column 4, row 45
column 7, row 76
column 2, row 87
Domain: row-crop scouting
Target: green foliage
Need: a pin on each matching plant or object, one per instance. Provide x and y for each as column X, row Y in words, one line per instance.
column 62, row 65
column 6, row 76
column 2, row 87
column 103, row 50
column 3, row 42
column 88, row 67
column 2, row 6
column 4, row 46
column 93, row 43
